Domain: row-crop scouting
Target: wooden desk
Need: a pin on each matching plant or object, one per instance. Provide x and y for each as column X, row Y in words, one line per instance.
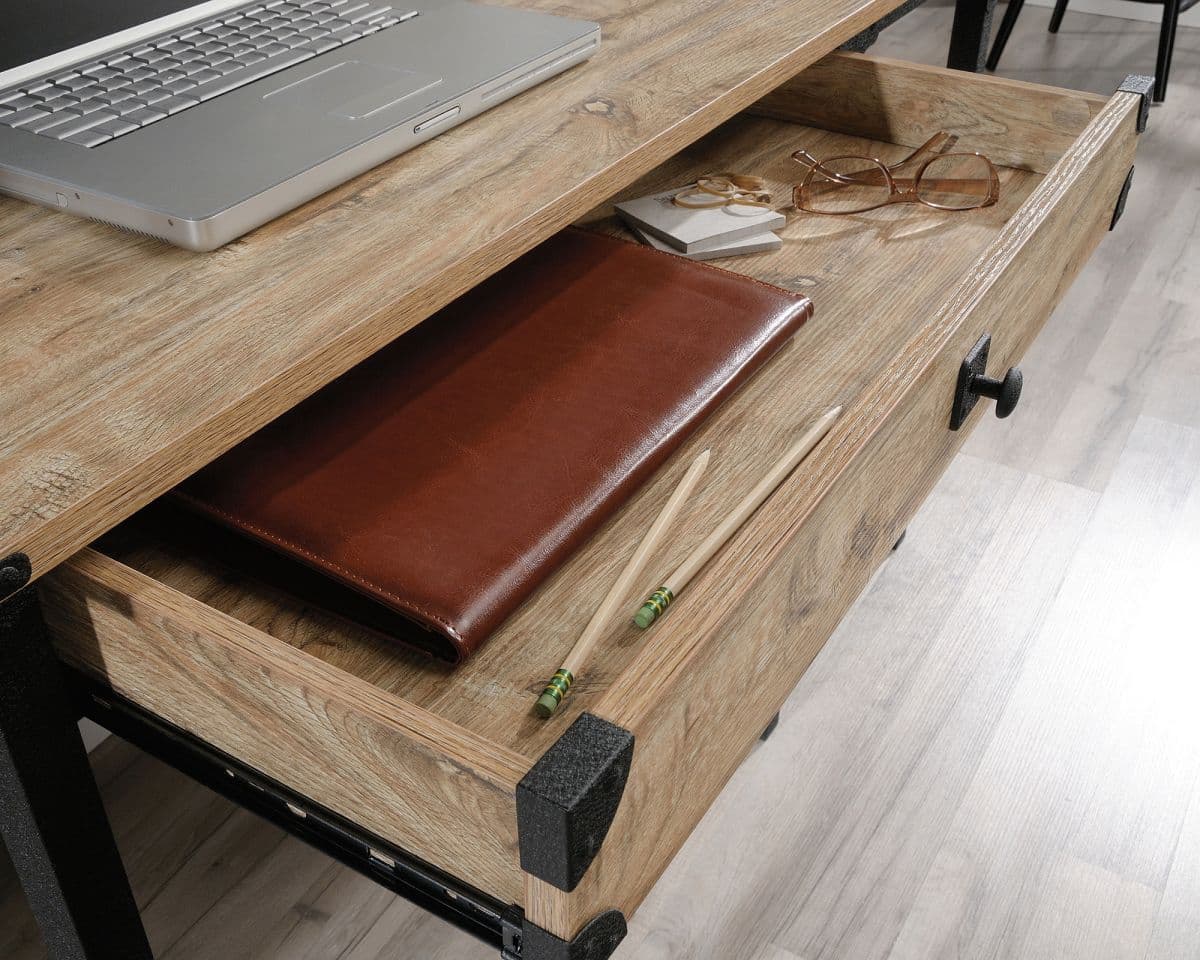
column 128, row 365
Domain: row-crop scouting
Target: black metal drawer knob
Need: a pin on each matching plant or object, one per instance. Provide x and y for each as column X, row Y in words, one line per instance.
column 973, row 383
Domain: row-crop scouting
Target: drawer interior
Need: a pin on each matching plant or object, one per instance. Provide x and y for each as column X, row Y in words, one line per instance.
column 874, row 278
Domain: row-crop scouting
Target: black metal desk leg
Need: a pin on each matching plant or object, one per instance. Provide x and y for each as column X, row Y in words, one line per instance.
column 50, row 812
column 969, row 35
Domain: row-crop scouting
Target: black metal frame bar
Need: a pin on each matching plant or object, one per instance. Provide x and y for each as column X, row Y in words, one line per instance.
column 968, row 38
column 51, row 817
column 969, row 35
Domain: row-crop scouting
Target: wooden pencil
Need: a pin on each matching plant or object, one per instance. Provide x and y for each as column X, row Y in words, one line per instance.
column 558, row 687
column 657, row 603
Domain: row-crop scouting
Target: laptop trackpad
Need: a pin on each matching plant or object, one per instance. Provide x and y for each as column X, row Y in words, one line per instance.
column 355, row 90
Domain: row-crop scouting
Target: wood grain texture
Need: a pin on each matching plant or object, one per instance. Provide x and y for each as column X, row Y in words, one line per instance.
column 132, row 364
column 1016, row 124
column 423, row 784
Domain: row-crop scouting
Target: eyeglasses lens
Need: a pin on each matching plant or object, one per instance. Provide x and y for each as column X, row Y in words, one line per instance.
column 955, row 182
column 846, row 185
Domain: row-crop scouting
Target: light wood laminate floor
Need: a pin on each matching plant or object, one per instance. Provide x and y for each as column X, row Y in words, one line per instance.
column 998, row 753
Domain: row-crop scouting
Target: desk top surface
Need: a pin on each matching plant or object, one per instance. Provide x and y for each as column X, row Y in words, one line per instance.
column 128, row 364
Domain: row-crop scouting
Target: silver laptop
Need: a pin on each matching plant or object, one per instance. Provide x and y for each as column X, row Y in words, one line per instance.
column 196, row 122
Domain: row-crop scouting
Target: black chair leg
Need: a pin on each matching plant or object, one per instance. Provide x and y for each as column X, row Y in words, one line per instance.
column 1002, row 35
column 1060, row 8
column 1166, row 46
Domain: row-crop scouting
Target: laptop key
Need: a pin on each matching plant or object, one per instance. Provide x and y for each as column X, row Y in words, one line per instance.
column 77, row 82
column 88, row 138
column 321, row 46
column 144, row 116
column 368, row 14
column 23, row 117
column 153, row 97
column 84, row 107
column 128, row 107
column 174, row 105
column 72, row 127
column 117, row 96
column 179, row 86
column 89, row 92
column 23, row 102
column 102, row 74
column 49, row 122
column 116, row 128
column 60, row 103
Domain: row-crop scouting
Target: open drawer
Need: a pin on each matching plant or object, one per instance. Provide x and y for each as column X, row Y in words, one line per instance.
column 552, row 817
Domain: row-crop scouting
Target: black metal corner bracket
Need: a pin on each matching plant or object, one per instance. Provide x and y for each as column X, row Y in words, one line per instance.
column 1143, row 86
column 1119, row 209
column 567, row 801
column 597, row 941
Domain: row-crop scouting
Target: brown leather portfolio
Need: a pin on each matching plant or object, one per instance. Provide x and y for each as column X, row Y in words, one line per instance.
column 447, row 476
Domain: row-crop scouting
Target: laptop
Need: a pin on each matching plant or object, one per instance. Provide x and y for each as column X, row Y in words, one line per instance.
column 197, row 122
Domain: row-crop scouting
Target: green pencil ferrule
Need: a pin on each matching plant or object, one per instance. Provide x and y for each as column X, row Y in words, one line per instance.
column 654, row 607
column 556, row 690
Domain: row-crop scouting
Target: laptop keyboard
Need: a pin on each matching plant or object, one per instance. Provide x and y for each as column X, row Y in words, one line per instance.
column 121, row 92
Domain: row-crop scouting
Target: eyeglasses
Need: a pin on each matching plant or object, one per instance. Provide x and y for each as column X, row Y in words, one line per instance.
column 854, row 184
column 724, row 190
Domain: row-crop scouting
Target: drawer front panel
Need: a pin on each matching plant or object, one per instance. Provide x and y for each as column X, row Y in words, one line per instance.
column 730, row 651
column 412, row 780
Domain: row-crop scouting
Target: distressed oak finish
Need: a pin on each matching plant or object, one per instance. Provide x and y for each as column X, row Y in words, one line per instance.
column 128, row 365
column 1017, row 124
column 900, row 298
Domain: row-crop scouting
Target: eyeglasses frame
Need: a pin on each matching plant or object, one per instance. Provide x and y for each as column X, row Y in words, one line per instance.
column 899, row 191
